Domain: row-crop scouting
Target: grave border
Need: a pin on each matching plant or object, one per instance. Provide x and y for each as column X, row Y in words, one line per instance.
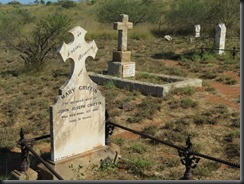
column 146, row 88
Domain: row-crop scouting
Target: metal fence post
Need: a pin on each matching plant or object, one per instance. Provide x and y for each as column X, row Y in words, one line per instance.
column 188, row 160
column 24, row 153
column 108, row 129
column 234, row 51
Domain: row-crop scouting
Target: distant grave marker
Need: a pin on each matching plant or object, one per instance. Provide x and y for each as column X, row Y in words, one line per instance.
column 220, row 35
column 197, row 31
column 121, row 65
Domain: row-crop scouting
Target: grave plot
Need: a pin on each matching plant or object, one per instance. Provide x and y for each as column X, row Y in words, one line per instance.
column 147, row 88
column 122, row 71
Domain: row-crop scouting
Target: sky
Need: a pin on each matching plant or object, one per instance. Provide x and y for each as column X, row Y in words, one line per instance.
column 25, row 1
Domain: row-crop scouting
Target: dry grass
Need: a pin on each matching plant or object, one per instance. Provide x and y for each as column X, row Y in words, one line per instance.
column 25, row 98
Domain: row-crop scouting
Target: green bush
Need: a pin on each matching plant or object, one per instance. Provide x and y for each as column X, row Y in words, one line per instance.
column 12, row 22
column 67, row 3
column 40, row 42
column 138, row 11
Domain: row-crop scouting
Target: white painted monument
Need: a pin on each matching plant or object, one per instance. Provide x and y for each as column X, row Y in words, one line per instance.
column 78, row 115
column 121, row 64
column 220, row 35
column 197, row 31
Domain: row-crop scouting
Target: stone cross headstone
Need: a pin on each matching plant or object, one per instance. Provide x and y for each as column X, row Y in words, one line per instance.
column 122, row 28
column 78, row 115
column 220, row 34
column 197, row 31
column 121, row 65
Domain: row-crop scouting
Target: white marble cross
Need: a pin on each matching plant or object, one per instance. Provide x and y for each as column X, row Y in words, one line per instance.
column 77, row 121
column 122, row 28
column 78, row 50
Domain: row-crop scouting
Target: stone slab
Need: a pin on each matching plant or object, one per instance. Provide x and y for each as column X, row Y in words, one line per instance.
column 87, row 160
column 122, row 56
column 147, row 88
column 30, row 174
column 121, row 69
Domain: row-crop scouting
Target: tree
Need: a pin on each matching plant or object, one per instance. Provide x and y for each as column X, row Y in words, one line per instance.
column 138, row 10
column 184, row 14
column 67, row 3
column 227, row 12
column 39, row 2
column 14, row 3
column 37, row 45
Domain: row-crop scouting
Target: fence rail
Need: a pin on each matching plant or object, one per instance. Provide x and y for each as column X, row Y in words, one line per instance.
column 26, row 147
column 233, row 51
column 188, row 157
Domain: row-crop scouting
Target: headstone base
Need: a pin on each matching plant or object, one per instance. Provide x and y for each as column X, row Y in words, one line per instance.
column 70, row 168
column 120, row 69
column 30, row 174
column 122, row 56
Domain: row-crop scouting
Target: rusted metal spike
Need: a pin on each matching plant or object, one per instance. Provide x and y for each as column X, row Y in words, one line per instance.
column 21, row 134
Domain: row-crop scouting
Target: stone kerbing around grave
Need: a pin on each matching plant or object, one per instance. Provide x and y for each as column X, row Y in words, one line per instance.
column 147, row 88
column 78, row 115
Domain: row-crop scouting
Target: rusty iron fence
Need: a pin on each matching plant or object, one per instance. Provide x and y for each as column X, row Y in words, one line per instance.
column 26, row 147
column 201, row 45
column 188, row 157
column 234, row 51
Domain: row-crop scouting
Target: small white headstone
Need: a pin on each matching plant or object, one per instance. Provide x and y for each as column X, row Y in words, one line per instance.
column 168, row 38
column 220, row 34
column 78, row 115
column 197, row 31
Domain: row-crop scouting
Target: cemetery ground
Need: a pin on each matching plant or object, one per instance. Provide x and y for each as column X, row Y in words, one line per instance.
column 210, row 114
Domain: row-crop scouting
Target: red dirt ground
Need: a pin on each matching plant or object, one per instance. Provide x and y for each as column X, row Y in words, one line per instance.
column 226, row 94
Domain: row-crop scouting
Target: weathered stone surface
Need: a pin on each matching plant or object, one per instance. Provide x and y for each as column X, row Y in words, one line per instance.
column 126, row 69
column 30, row 174
column 115, row 68
column 122, row 28
column 148, row 88
column 78, row 115
column 122, row 56
column 121, row 65
column 220, row 35
column 86, row 160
